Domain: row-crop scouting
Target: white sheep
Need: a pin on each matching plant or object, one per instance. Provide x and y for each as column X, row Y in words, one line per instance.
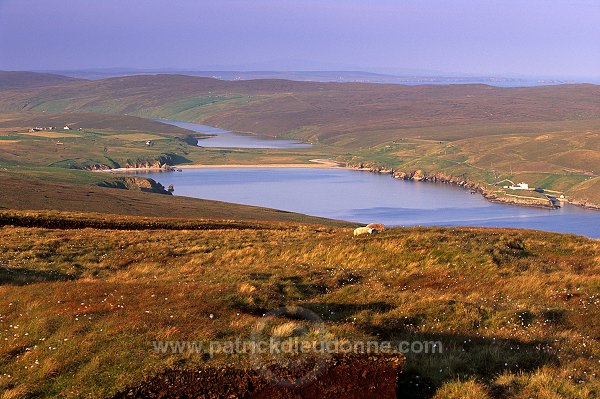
column 362, row 230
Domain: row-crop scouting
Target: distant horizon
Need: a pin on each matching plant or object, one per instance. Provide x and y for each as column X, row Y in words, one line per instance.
column 345, row 75
column 400, row 73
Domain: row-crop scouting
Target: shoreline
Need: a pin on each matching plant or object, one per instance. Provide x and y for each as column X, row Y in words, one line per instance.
column 474, row 187
column 330, row 164
column 268, row 166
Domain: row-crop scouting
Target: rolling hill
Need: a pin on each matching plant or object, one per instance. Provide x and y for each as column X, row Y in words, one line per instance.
column 545, row 136
column 21, row 80
column 38, row 190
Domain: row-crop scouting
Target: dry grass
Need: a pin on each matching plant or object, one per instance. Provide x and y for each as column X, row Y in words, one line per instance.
column 458, row 389
column 288, row 329
column 52, row 135
column 136, row 137
column 516, row 311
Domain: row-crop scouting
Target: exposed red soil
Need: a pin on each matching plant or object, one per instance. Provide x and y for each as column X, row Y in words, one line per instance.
column 349, row 377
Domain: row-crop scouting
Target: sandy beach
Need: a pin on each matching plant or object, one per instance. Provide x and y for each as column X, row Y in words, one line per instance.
column 316, row 163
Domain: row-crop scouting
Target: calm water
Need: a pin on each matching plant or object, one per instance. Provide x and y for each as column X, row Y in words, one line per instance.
column 367, row 197
column 226, row 139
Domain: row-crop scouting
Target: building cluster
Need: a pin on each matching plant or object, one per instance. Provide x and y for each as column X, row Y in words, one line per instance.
column 520, row 186
column 41, row 129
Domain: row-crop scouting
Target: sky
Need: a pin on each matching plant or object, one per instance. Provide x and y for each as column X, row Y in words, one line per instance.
column 541, row 38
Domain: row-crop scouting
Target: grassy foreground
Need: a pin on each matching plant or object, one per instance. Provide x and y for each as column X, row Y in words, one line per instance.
column 516, row 311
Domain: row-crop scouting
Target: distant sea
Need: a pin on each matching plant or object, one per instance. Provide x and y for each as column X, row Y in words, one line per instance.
column 338, row 76
column 516, row 83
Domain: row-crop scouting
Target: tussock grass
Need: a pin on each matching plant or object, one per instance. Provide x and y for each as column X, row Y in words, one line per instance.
column 516, row 311
column 63, row 220
column 458, row 389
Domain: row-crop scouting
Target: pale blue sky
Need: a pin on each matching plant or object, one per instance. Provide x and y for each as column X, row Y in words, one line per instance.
column 559, row 38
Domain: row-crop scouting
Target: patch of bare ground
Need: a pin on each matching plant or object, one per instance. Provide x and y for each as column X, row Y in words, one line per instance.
column 350, row 377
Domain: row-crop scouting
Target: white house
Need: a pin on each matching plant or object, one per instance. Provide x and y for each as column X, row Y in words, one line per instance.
column 520, row 186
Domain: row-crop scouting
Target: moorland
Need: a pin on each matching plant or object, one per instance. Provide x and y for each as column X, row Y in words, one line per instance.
column 96, row 266
column 545, row 136
column 516, row 311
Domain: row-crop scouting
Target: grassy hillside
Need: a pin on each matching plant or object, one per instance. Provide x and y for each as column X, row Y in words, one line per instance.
column 336, row 109
column 18, row 121
column 516, row 311
column 119, row 141
column 40, row 167
column 562, row 162
column 80, row 192
column 112, row 140
column 546, row 136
